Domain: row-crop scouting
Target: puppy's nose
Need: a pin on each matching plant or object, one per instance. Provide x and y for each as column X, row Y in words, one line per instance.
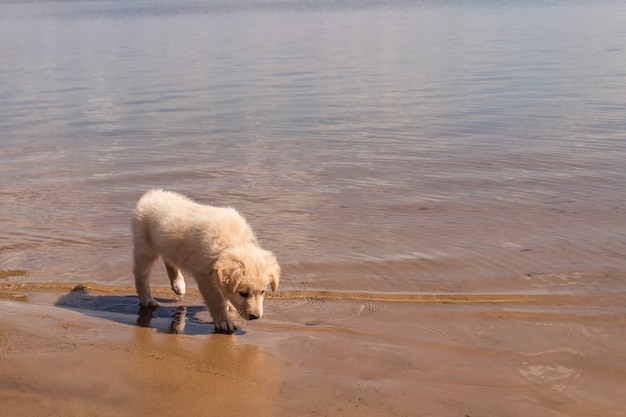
column 253, row 316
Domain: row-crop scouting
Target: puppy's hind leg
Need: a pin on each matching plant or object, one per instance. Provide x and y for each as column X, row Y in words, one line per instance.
column 176, row 278
column 144, row 259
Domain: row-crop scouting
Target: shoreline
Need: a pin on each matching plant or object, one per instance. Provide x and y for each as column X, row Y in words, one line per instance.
column 88, row 351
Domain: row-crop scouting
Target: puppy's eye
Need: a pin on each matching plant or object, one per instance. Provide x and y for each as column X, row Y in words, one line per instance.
column 263, row 292
column 244, row 294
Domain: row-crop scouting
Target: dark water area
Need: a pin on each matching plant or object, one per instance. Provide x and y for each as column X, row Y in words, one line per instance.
column 401, row 146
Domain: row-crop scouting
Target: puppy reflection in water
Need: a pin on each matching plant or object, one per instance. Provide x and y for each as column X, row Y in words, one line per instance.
column 177, row 326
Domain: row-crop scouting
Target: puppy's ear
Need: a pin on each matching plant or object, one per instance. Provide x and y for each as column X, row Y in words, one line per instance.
column 274, row 274
column 230, row 272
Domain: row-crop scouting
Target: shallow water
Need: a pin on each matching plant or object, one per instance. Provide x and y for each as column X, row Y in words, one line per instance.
column 396, row 146
column 441, row 181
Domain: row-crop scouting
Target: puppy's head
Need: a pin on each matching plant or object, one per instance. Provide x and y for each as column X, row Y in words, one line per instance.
column 244, row 273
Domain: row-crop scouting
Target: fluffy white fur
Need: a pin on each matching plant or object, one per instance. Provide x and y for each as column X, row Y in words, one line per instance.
column 216, row 245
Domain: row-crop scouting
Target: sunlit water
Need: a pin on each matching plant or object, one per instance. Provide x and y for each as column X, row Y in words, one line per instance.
column 394, row 146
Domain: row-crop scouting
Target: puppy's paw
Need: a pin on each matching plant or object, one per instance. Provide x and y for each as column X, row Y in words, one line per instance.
column 151, row 303
column 178, row 286
column 225, row 326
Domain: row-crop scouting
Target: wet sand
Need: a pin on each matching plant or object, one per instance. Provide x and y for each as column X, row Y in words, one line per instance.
column 89, row 351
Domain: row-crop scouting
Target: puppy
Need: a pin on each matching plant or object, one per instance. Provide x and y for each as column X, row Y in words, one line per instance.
column 216, row 245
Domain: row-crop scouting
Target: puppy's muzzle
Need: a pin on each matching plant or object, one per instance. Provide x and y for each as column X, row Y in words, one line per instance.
column 252, row 316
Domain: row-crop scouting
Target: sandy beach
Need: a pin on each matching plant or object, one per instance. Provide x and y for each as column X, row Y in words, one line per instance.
column 87, row 351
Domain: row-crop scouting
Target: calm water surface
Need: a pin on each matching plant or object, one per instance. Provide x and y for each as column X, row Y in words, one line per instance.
column 383, row 146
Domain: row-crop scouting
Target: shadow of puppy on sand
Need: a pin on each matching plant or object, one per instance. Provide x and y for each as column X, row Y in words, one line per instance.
column 169, row 318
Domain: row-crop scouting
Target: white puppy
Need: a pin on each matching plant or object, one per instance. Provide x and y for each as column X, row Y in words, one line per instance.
column 214, row 244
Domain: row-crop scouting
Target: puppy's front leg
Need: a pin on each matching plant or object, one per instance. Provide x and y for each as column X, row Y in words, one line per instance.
column 176, row 278
column 216, row 303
